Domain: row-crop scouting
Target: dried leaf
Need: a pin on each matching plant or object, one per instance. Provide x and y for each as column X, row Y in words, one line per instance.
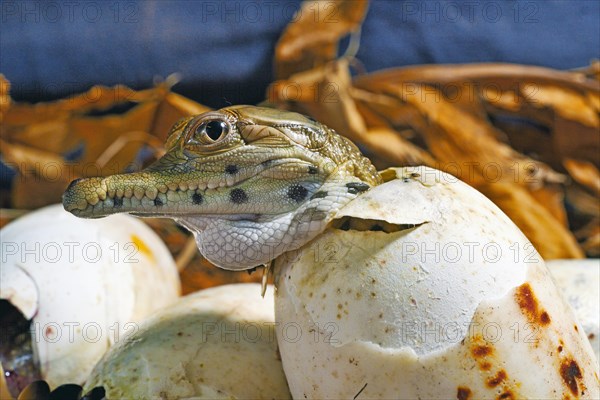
column 567, row 103
column 585, row 173
column 172, row 108
column 311, row 40
column 574, row 140
column 31, row 192
column 548, row 236
column 590, row 236
column 484, row 75
column 5, row 100
column 100, row 132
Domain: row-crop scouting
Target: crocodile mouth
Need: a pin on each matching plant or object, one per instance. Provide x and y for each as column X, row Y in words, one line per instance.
column 173, row 193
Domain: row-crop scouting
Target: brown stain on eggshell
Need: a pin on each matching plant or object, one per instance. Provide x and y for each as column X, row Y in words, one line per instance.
column 571, row 375
column 496, row 379
column 529, row 306
column 481, row 350
column 463, row 393
column 484, row 355
column 506, row 395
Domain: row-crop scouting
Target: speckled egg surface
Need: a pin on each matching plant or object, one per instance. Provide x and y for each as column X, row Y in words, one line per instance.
column 423, row 288
column 218, row 343
column 579, row 281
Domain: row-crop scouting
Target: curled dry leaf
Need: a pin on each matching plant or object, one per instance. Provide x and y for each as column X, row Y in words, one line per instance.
column 584, row 173
column 312, row 38
column 4, row 96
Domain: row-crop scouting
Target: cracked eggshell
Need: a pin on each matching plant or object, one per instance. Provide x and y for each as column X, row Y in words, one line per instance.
column 427, row 290
column 579, row 281
column 218, row 343
column 82, row 283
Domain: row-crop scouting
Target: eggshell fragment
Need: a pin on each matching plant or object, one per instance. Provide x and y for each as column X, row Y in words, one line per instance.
column 579, row 281
column 423, row 288
column 83, row 284
column 214, row 344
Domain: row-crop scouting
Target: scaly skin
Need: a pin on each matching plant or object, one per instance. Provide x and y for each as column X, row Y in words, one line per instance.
column 249, row 182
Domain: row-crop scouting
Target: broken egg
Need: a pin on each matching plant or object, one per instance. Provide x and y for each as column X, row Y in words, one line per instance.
column 70, row 288
column 423, row 288
column 579, row 281
column 217, row 343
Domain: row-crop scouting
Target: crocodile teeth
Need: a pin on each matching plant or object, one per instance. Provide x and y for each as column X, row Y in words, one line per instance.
column 118, row 193
column 93, row 200
column 101, row 193
column 138, row 192
column 162, row 188
column 151, row 193
column 192, row 185
column 183, row 186
column 128, row 192
column 212, row 185
column 201, row 186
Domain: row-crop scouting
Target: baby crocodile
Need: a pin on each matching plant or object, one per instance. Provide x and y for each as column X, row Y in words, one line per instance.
column 251, row 183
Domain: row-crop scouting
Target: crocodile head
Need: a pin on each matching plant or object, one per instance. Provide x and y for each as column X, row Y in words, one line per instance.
column 249, row 182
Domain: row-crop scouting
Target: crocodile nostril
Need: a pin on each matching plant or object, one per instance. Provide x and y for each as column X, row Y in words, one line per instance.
column 74, row 182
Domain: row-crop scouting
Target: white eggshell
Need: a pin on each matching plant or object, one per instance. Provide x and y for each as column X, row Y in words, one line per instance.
column 455, row 303
column 579, row 281
column 218, row 343
column 84, row 284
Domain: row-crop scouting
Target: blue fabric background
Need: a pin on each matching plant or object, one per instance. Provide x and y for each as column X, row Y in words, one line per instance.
column 224, row 50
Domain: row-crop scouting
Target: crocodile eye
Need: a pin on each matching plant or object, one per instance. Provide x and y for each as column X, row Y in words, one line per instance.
column 209, row 132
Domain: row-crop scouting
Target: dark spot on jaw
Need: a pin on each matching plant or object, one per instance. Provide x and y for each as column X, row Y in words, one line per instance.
column 158, row 202
column 117, row 202
column 197, row 198
column 313, row 170
column 238, row 196
column 297, row 193
column 357, row 187
column 319, row 195
column 266, row 163
column 231, row 169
